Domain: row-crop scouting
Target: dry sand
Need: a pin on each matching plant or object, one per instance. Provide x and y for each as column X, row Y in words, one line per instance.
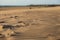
column 38, row 23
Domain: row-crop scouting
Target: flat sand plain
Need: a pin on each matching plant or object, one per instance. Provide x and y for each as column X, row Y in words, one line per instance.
column 36, row 23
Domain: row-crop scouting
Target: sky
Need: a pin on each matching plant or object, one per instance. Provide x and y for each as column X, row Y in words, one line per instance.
column 28, row 2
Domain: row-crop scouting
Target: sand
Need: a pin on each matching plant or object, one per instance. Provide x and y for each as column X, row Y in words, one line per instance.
column 37, row 23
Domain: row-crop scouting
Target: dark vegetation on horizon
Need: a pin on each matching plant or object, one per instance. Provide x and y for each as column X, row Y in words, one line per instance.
column 32, row 6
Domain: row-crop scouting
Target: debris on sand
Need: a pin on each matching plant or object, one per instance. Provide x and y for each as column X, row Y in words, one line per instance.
column 7, row 30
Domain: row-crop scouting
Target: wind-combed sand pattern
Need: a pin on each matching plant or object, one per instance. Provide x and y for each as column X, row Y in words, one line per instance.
column 30, row 24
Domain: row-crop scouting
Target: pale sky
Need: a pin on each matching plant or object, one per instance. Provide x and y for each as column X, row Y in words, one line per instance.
column 28, row 2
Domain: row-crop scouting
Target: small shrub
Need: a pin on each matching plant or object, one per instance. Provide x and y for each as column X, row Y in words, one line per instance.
column 15, row 16
column 11, row 17
column 8, row 27
column 20, row 22
column 2, row 21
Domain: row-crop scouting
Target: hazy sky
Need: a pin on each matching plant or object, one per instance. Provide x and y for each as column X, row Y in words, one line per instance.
column 27, row 2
